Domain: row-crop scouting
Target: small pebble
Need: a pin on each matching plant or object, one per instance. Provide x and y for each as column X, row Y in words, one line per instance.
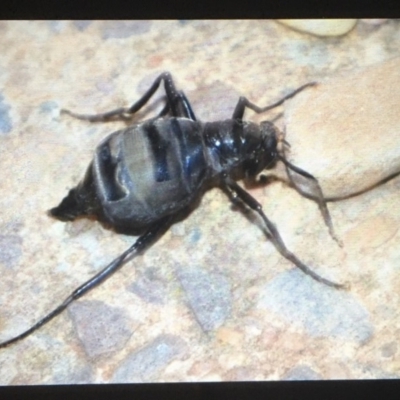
column 321, row 27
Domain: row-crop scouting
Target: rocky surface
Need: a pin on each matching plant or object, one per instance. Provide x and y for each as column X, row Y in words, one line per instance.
column 212, row 299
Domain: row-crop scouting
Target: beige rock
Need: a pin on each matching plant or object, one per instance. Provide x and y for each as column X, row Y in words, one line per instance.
column 346, row 131
column 229, row 336
column 371, row 234
column 321, row 27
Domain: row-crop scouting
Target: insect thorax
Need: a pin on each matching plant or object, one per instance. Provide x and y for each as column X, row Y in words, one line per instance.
column 240, row 148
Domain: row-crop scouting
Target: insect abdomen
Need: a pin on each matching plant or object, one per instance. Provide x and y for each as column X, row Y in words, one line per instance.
column 151, row 170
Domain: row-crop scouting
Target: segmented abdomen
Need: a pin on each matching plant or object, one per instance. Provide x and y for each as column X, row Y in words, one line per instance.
column 151, row 169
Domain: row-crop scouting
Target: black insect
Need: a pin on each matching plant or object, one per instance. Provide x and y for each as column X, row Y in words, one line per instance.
column 145, row 177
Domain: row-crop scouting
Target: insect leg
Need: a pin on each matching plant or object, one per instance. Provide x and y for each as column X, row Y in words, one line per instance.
column 177, row 104
column 244, row 102
column 311, row 189
column 139, row 246
column 186, row 110
column 272, row 233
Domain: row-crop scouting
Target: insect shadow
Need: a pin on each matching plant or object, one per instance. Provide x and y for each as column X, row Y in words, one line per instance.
column 145, row 177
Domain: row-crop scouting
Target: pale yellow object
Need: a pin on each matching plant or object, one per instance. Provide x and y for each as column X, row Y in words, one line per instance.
column 321, row 27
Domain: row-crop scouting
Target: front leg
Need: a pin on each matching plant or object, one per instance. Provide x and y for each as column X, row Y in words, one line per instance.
column 273, row 234
column 244, row 102
column 307, row 185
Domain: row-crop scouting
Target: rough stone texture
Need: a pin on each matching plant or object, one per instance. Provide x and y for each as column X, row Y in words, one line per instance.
column 318, row 311
column 146, row 363
column 350, row 139
column 101, row 329
column 95, row 66
column 208, row 296
column 150, row 288
column 10, row 250
column 302, row 373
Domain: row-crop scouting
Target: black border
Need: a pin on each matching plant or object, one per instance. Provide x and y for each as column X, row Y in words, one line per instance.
column 327, row 390
column 198, row 9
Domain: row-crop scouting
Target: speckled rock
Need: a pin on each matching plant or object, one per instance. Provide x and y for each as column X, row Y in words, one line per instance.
column 10, row 250
column 143, row 365
column 321, row 27
column 318, row 311
column 302, row 373
column 345, row 131
column 208, row 296
column 102, row 329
